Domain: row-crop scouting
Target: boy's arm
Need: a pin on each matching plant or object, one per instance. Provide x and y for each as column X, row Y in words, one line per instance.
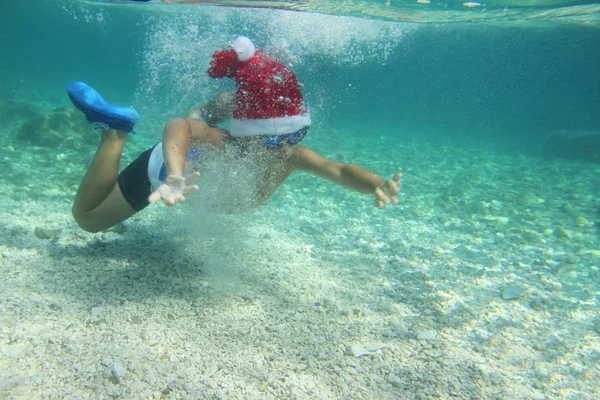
column 176, row 140
column 351, row 176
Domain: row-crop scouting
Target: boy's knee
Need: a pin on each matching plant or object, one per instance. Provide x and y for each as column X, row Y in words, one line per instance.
column 84, row 221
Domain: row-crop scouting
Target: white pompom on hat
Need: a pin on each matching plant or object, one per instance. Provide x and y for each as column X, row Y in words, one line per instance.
column 244, row 48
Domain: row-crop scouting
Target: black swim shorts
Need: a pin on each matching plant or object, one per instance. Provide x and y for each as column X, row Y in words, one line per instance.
column 134, row 182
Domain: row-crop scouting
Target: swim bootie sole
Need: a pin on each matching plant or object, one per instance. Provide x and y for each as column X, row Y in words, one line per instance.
column 100, row 113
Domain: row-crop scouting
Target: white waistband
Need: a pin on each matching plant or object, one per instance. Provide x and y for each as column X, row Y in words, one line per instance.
column 155, row 163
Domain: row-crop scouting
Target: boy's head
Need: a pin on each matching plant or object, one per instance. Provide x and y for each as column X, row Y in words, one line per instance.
column 269, row 103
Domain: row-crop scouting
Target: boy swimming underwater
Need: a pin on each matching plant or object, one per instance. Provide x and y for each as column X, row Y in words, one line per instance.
column 269, row 119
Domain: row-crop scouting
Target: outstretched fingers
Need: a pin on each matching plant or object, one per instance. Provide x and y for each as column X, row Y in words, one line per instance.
column 388, row 191
column 163, row 193
column 174, row 189
column 381, row 199
column 190, row 189
column 154, row 197
column 191, row 177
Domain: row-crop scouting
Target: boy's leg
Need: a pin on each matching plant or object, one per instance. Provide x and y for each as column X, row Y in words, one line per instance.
column 99, row 203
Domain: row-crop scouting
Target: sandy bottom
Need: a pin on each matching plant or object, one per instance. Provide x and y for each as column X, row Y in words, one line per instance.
column 482, row 283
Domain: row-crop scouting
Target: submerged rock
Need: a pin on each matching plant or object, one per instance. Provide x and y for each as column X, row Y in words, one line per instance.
column 118, row 372
column 512, row 292
column 46, row 233
column 426, row 335
column 573, row 144
column 63, row 126
column 358, row 351
column 562, row 233
column 14, row 110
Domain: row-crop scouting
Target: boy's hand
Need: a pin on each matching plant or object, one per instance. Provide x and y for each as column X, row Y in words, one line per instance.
column 388, row 191
column 173, row 190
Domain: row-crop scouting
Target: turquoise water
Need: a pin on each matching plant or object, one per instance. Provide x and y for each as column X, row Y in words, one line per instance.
column 483, row 281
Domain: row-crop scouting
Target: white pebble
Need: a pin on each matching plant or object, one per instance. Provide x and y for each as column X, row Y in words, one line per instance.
column 512, row 292
column 118, row 372
column 35, row 298
column 479, row 360
column 376, row 346
column 358, row 351
column 426, row 335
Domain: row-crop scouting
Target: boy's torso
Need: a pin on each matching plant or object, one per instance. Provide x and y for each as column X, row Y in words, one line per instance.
column 253, row 177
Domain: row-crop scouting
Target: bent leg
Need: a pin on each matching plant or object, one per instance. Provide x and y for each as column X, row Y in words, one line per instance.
column 113, row 210
column 99, row 203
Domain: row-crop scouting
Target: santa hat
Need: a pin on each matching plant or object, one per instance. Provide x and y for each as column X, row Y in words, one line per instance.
column 268, row 97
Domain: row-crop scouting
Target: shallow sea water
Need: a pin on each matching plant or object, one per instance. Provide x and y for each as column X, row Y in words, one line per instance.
column 483, row 282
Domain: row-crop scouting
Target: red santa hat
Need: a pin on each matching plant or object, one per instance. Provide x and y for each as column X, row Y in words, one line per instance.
column 268, row 97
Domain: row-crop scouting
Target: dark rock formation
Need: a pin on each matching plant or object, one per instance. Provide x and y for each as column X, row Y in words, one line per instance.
column 580, row 145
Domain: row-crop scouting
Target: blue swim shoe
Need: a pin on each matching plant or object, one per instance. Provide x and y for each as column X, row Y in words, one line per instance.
column 98, row 112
